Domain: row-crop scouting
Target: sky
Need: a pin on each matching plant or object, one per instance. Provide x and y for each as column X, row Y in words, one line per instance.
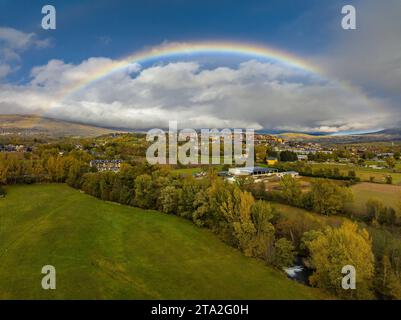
column 357, row 86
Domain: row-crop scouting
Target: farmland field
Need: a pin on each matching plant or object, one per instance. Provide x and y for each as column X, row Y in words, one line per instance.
column 103, row 250
column 390, row 195
column 363, row 173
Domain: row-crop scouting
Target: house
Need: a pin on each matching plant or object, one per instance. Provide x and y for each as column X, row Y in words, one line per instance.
column 14, row 148
column 271, row 161
column 106, row 165
column 252, row 171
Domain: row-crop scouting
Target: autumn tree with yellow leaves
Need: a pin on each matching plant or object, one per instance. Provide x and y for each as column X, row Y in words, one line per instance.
column 337, row 247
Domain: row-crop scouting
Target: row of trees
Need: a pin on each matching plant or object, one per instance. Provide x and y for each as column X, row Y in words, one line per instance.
column 378, row 213
column 230, row 212
column 49, row 167
column 325, row 196
column 323, row 172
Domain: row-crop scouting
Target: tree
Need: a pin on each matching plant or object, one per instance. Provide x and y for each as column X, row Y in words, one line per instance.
column 262, row 214
column 287, row 156
column 144, row 192
column 290, row 190
column 272, row 153
column 186, row 196
column 377, row 212
column 306, row 240
column 201, row 215
column 387, row 284
column 390, row 161
column 373, row 209
column 75, row 172
column 90, row 184
column 260, row 153
column 328, row 197
column 336, row 248
column 283, row 253
column 258, row 189
column 244, row 229
column 240, row 220
column 352, row 174
column 169, row 199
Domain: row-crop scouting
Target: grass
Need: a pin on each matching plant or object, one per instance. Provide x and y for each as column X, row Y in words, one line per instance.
column 187, row 171
column 103, row 250
column 362, row 172
column 390, row 195
column 306, row 216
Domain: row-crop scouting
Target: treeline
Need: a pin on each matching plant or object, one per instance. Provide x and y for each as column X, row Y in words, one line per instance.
column 233, row 214
column 325, row 196
column 328, row 173
column 379, row 214
column 18, row 168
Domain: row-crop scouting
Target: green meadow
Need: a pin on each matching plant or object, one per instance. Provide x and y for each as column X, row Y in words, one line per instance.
column 103, row 250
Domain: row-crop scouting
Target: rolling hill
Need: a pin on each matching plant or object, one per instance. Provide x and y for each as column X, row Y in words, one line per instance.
column 29, row 125
column 379, row 136
column 103, row 250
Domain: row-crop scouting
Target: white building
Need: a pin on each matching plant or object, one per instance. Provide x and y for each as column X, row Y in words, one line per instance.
column 293, row 174
column 252, row 171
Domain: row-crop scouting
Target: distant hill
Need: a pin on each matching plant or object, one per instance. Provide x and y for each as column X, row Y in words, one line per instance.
column 379, row 136
column 29, row 125
column 298, row 136
column 394, row 131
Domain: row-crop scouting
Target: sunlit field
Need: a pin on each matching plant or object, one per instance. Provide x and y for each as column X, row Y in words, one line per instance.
column 103, row 250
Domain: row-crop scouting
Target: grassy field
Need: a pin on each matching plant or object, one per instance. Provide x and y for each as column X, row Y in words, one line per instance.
column 308, row 216
column 362, row 172
column 103, row 250
column 390, row 195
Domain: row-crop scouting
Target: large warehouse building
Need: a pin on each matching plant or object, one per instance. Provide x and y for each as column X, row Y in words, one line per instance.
column 252, row 171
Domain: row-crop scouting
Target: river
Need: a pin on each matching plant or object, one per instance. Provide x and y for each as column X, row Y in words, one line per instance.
column 298, row 272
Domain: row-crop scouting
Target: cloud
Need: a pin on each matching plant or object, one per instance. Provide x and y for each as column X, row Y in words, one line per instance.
column 252, row 94
column 370, row 56
column 4, row 70
column 14, row 42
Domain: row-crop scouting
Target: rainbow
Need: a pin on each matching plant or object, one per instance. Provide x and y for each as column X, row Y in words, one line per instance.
column 191, row 48
column 171, row 50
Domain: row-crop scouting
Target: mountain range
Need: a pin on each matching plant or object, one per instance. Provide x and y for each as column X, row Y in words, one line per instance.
column 32, row 125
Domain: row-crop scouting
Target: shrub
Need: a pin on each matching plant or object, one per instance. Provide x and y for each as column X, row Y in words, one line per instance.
column 283, row 253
